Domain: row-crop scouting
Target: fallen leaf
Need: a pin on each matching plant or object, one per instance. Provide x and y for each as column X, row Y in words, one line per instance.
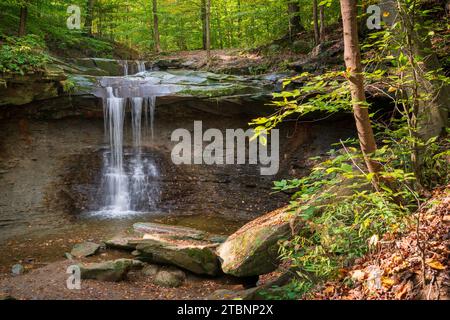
column 434, row 264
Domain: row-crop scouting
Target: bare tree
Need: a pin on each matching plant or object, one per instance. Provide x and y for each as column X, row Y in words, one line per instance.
column 352, row 57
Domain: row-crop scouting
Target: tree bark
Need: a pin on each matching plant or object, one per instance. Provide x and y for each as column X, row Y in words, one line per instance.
column 322, row 23
column 203, row 18
column 208, row 31
column 156, row 27
column 316, row 22
column 295, row 24
column 89, row 17
column 23, row 21
column 352, row 57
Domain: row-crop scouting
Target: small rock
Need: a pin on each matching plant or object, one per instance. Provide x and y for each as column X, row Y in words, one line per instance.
column 169, row 278
column 68, row 256
column 17, row 269
column 150, row 270
column 85, row 249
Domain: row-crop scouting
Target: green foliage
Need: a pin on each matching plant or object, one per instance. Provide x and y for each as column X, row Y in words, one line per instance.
column 22, row 55
column 340, row 211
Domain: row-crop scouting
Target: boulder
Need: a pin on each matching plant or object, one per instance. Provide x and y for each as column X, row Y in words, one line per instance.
column 196, row 257
column 121, row 243
column 169, row 277
column 85, row 249
column 174, row 232
column 150, row 270
column 115, row 270
column 253, row 249
column 143, row 230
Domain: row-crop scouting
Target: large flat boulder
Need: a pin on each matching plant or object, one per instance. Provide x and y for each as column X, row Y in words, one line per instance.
column 85, row 249
column 195, row 256
column 114, row 270
column 142, row 230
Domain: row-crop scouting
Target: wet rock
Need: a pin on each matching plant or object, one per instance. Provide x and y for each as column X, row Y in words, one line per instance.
column 116, row 270
column 17, row 269
column 169, row 277
column 150, row 270
column 194, row 257
column 85, row 249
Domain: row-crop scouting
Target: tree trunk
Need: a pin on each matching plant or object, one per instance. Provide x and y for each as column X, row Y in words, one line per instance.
column 239, row 19
column 316, row 22
column 322, row 23
column 156, row 27
column 23, row 21
column 295, row 24
column 352, row 57
column 203, row 18
column 89, row 17
column 208, row 31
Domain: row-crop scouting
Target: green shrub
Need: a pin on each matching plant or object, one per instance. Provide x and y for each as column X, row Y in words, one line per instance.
column 22, row 55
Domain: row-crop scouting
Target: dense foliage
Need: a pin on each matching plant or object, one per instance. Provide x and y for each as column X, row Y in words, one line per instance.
column 22, row 55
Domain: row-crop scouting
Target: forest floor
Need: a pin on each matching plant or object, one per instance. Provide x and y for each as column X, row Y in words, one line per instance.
column 49, row 283
column 235, row 61
column 395, row 267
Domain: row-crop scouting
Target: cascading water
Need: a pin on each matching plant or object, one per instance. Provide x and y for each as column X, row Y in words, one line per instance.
column 125, row 67
column 140, row 66
column 128, row 175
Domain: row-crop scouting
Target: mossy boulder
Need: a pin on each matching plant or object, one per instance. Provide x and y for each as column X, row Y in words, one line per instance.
column 115, row 270
column 85, row 249
column 169, row 277
column 196, row 257
column 253, row 249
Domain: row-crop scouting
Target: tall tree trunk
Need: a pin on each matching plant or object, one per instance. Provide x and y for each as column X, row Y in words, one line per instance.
column 239, row 19
column 352, row 57
column 156, row 27
column 295, row 23
column 89, row 17
column 322, row 23
column 316, row 22
column 208, row 31
column 23, row 21
column 203, row 18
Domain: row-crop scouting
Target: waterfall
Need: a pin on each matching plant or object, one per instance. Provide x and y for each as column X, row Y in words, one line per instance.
column 140, row 66
column 128, row 184
column 125, row 67
column 117, row 182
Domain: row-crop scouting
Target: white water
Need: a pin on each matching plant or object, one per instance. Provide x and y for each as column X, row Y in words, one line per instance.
column 125, row 67
column 128, row 177
column 140, row 66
